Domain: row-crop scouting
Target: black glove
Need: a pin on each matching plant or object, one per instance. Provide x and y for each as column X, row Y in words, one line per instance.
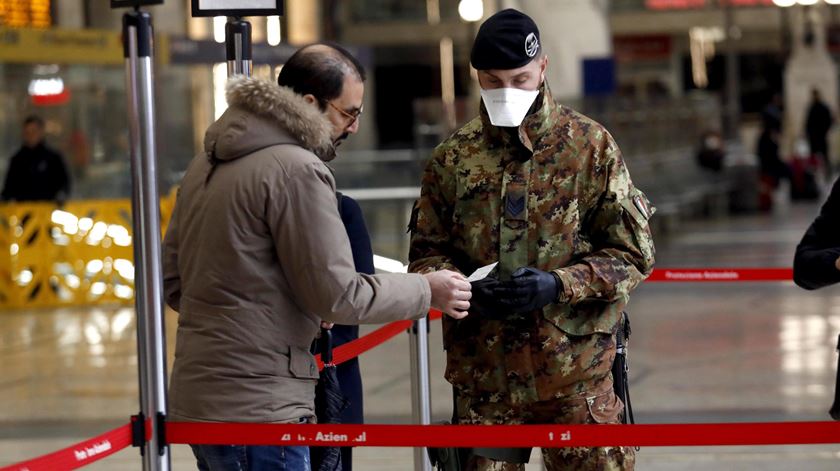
column 527, row 290
column 484, row 300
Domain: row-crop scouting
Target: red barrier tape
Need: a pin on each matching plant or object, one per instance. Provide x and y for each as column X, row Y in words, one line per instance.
column 769, row 433
column 370, row 341
column 721, row 274
column 80, row 454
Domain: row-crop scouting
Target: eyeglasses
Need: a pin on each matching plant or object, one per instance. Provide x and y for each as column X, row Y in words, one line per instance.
column 351, row 116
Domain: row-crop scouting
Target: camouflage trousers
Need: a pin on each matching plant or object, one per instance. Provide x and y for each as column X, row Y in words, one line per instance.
column 601, row 406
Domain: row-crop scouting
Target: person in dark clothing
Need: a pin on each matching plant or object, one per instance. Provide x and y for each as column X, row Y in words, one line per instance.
column 772, row 169
column 772, row 114
column 817, row 260
column 348, row 372
column 36, row 172
column 349, row 375
column 770, row 163
column 818, row 123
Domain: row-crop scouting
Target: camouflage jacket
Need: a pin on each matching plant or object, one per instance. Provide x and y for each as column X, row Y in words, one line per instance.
column 556, row 197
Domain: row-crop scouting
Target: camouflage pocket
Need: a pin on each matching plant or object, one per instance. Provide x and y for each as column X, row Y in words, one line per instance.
column 476, row 217
column 474, row 356
column 604, row 409
column 568, row 365
column 583, row 318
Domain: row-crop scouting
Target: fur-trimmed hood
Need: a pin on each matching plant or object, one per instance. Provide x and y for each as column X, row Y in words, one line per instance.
column 263, row 114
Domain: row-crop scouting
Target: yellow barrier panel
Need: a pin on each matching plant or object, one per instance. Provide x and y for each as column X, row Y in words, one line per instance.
column 77, row 254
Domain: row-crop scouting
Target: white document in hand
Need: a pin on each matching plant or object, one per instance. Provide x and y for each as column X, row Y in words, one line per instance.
column 482, row 272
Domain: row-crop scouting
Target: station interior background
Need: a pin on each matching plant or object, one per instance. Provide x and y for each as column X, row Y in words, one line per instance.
column 661, row 75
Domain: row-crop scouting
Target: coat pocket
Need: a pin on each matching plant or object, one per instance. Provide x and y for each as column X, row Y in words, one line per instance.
column 302, row 364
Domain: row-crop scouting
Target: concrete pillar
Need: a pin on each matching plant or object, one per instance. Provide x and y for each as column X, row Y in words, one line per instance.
column 570, row 30
column 809, row 67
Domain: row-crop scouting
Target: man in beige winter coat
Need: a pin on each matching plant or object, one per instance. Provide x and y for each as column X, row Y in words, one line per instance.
column 256, row 257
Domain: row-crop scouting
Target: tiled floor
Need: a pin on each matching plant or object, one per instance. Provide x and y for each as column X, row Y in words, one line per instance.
column 711, row 352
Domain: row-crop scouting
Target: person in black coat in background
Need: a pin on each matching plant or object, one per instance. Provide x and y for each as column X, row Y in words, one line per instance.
column 817, row 260
column 817, row 125
column 36, row 172
column 349, row 375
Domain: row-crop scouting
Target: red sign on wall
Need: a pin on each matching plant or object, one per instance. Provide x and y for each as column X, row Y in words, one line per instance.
column 631, row 48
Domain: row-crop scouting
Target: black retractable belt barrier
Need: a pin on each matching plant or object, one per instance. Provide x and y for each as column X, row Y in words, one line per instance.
column 138, row 432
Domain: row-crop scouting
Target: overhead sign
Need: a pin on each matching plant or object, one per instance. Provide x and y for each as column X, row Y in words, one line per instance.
column 237, row 7
column 55, row 46
column 188, row 51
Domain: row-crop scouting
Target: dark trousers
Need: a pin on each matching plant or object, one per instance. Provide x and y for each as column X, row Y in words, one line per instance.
column 251, row 458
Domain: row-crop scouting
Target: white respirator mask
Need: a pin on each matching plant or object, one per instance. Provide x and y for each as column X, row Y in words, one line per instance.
column 507, row 107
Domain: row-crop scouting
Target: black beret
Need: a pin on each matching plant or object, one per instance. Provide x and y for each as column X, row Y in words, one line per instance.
column 507, row 40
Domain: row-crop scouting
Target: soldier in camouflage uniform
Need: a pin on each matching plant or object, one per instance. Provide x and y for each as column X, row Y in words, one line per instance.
column 550, row 199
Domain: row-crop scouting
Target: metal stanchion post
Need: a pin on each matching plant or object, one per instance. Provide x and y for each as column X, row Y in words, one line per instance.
column 421, row 403
column 137, row 38
column 129, row 52
column 238, row 47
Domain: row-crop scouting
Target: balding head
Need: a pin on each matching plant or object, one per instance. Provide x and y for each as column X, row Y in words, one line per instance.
column 320, row 70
